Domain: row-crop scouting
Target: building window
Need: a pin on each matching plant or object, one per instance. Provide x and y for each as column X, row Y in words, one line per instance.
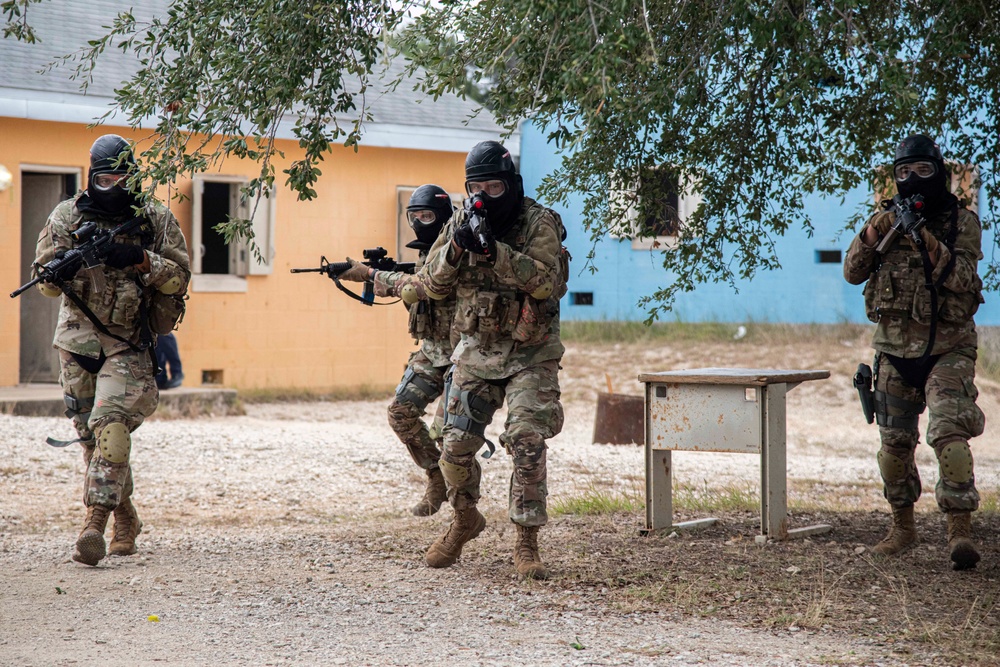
column 581, row 298
column 828, row 257
column 653, row 213
column 218, row 266
column 404, row 234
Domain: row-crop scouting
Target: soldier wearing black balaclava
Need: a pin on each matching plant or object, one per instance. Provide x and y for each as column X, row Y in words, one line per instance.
column 923, row 297
column 430, row 322
column 108, row 315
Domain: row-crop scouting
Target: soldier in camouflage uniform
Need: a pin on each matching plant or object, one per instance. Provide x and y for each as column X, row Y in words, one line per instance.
column 924, row 357
column 508, row 314
column 106, row 365
column 427, row 212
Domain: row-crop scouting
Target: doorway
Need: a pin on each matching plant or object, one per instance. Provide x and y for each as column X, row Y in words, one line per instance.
column 42, row 188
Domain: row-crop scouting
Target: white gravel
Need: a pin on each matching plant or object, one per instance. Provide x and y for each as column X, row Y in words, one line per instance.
column 277, row 538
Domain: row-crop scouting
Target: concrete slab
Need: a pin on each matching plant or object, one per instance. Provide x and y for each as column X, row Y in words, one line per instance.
column 46, row 400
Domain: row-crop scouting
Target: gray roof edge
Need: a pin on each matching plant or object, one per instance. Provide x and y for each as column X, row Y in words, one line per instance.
column 86, row 109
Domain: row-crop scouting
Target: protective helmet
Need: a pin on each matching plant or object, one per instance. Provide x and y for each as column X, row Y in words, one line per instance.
column 431, row 198
column 489, row 160
column 110, row 154
column 919, row 148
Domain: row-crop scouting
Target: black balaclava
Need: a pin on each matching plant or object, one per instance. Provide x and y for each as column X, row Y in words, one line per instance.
column 489, row 160
column 431, row 198
column 110, row 154
column 918, row 148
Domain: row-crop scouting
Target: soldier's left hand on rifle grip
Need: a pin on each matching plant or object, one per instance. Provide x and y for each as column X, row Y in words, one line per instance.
column 931, row 243
column 123, row 255
column 358, row 273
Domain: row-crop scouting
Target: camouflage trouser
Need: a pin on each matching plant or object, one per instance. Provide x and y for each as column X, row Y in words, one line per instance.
column 953, row 419
column 123, row 391
column 407, row 409
column 534, row 415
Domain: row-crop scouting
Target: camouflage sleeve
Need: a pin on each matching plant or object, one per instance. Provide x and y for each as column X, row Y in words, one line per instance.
column 964, row 275
column 536, row 267
column 391, row 283
column 54, row 236
column 861, row 259
column 170, row 265
column 438, row 275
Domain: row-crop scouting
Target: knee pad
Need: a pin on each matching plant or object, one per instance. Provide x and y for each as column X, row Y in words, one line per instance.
column 955, row 461
column 892, row 467
column 405, row 390
column 115, row 442
column 454, row 475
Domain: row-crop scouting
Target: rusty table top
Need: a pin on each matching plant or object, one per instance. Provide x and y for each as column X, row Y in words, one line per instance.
column 757, row 377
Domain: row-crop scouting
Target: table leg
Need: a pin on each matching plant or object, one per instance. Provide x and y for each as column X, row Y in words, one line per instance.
column 659, row 481
column 774, row 497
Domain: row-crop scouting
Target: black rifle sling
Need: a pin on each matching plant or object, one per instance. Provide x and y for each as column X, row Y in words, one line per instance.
column 929, row 282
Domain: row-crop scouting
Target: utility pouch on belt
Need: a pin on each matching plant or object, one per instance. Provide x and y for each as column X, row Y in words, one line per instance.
column 863, row 383
column 420, row 320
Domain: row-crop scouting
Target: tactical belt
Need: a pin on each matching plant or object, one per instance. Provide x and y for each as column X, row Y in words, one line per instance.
column 404, row 394
column 911, row 411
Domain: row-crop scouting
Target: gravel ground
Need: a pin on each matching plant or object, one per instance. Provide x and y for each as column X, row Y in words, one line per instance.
column 282, row 537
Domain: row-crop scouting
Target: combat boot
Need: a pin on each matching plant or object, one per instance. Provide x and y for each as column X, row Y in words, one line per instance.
column 527, row 562
column 127, row 528
column 466, row 525
column 963, row 550
column 435, row 494
column 902, row 535
column 90, row 547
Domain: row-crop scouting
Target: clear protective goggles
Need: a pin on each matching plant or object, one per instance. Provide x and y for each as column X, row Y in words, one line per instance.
column 421, row 217
column 492, row 188
column 105, row 182
column 923, row 169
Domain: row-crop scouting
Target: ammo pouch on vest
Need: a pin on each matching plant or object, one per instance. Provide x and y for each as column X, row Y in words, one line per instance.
column 486, row 315
column 534, row 319
column 166, row 311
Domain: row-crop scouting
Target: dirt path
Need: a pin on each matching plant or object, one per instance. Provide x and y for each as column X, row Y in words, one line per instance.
column 278, row 538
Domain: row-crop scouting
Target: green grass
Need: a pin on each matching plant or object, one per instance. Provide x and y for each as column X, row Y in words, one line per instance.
column 707, row 332
column 686, row 497
column 296, row 394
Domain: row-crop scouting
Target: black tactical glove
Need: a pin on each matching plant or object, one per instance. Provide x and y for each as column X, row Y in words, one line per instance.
column 467, row 240
column 123, row 255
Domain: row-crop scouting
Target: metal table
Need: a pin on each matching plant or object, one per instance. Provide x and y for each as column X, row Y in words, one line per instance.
column 721, row 410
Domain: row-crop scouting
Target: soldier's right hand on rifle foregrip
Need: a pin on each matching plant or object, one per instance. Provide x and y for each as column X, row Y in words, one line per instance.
column 466, row 239
column 358, row 273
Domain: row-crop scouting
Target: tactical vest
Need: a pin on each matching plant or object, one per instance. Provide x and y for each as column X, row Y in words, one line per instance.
column 897, row 287
column 490, row 310
column 114, row 296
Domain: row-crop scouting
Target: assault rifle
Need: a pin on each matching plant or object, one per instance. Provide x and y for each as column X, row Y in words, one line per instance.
column 375, row 258
column 475, row 214
column 909, row 220
column 92, row 248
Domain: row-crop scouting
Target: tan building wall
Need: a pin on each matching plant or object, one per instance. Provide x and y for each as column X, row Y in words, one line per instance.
column 285, row 330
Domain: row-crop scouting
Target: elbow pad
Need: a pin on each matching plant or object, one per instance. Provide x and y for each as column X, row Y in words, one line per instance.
column 48, row 289
column 544, row 291
column 172, row 286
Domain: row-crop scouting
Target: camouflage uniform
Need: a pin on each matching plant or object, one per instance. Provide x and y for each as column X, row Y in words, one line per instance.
column 897, row 300
column 509, row 348
column 122, row 390
column 423, row 381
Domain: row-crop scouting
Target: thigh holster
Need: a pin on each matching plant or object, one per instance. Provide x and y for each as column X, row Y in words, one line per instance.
column 406, row 394
column 77, row 405
column 910, row 409
column 478, row 412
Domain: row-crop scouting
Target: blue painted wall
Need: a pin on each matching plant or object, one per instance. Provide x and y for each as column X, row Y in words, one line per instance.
column 802, row 291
